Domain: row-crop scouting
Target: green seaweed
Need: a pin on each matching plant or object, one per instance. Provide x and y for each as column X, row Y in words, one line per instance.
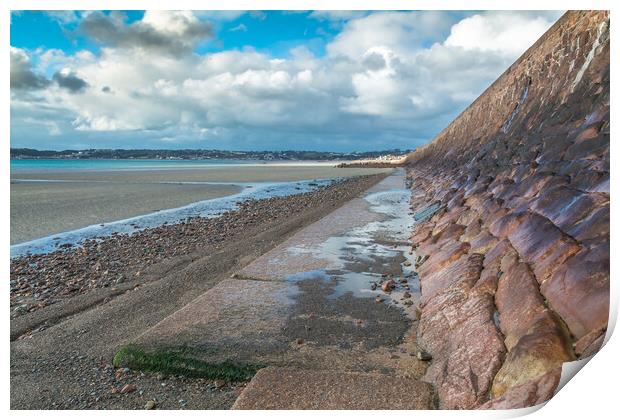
column 176, row 363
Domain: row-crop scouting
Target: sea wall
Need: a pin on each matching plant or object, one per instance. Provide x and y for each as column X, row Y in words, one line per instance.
column 514, row 262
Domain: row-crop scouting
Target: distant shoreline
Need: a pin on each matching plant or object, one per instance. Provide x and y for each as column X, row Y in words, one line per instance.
column 198, row 154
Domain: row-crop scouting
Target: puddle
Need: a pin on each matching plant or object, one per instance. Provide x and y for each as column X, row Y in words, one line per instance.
column 364, row 257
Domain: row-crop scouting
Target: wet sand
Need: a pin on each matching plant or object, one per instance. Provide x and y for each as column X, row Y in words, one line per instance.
column 213, row 173
column 40, row 209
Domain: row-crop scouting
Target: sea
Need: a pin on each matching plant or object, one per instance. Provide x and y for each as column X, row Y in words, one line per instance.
column 61, row 165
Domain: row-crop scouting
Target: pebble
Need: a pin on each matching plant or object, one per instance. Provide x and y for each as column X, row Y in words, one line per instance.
column 424, row 356
column 388, row 285
column 129, row 388
column 150, row 405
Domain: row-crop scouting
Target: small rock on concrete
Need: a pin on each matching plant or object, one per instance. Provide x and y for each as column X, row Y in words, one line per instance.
column 129, row 388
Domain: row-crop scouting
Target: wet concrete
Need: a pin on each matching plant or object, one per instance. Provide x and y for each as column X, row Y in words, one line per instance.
column 316, row 301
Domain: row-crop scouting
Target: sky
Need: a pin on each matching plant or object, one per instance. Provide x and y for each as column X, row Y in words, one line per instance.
column 274, row 80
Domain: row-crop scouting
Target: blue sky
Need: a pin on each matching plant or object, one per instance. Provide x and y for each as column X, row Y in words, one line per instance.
column 253, row 80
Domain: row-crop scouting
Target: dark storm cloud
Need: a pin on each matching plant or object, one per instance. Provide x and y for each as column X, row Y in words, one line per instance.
column 22, row 75
column 70, row 81
column 111, row 30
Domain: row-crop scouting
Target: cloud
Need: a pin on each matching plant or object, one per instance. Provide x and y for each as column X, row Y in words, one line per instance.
column 389, row 79
column 258, row 14
column 22, row 75
column 239, row 28
column 173, row 32
column 508, row 33
column 64, row 17
column 403, row 32
column 70, row 81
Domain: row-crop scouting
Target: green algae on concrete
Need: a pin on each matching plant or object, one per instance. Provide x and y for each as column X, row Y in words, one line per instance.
column 177, row 363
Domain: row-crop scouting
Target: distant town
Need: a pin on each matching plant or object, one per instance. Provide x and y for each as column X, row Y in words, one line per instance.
column 193, row 154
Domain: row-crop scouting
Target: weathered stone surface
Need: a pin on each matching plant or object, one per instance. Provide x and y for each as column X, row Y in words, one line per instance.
column 588, row 342
column 579, row 292
column 466, row 347
column 519, row 302
column 505, row 225
column 594, row 228
column 566, row 207
column 290, row 389
column 463, row 273
column 421, row 234
column 494, row 256
column 540, row 350
column 592, row 348
column 448, row 235
column 482, row 243
column 471, row 231
column 442, row 258
column 487, row 283
column 541, row 244
column 528, row 394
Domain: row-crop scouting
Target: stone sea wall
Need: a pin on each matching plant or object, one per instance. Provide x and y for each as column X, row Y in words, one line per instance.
column 514, row 262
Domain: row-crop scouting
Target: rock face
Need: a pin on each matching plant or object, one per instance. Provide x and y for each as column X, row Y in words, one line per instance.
column 515, row 253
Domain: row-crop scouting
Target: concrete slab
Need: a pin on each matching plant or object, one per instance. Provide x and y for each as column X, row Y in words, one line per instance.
column 316, row 301
column 291, row 389
column 371, row 229
column 296, row 324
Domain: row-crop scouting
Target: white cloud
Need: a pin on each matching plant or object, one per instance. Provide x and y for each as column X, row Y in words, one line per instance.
column 239, row 28
column 390, row 78
column 508, row 33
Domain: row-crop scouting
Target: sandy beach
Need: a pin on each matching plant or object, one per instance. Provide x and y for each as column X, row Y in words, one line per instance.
column 207, row 173
column 45, row 208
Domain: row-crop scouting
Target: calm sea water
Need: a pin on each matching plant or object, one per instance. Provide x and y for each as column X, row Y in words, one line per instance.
column 36, row 165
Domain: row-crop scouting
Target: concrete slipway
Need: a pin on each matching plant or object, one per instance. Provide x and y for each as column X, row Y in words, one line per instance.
column 312, row 309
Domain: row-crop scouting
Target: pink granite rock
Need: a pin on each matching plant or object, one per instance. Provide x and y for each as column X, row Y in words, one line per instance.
column 442, row 258
column 528, row 394
column 579, row 292
column 466, row 347
column 519, row 302
column 482, row 243
column 541, row 244
column 543, row 348
column 462, row 272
